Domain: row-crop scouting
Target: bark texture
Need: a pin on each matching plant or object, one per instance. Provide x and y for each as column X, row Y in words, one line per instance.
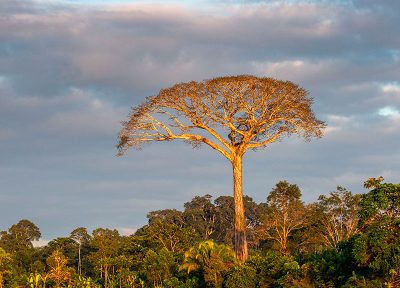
column 240, row 222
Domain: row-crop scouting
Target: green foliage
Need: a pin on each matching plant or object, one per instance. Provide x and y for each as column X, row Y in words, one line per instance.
column 356, row 281
column 381, row 202
column 275, row 270
column 18, row 241
column 378, row 246
column 85, row 282
column 334, row 218
column 137, row 246
column 284, row 214
column 158, row 266
column 155, row 255
column 38, row 267
column 332, row 267
column 211, row 259
column 166, row 229
column 37, row 280
column 5, row 265
column 241, row 276
column 106, row 245
column 176, row 283
column 65, row 245
column 81, row 237
column 200, row 216
column 224, row 226
column 283, row 192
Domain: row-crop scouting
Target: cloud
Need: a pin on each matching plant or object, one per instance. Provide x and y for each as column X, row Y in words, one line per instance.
column 337, row 122
column 76, row 113
column 389, row 111
column 391, row 88
column 40, row 243
column 126, row 231
column 391, row 93
column 69, row 73
column 88, row 116
column 140, row 47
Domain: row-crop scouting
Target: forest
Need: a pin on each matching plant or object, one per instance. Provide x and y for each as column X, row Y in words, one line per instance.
column 341, row 240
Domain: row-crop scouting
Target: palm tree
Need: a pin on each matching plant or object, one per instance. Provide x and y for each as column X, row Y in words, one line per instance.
column 211, row 259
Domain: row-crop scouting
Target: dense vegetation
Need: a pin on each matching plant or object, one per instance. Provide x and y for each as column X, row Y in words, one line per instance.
column 342, row 240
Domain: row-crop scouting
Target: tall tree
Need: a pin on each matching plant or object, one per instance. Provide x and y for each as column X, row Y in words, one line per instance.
column 20, row 235
column 229, row 114
column 286, row 213
column 80, row 236
column 18, row 241
column 167, row 228
column 335, row 217
column 64, row 245
column 106, row 242
column 200, row 215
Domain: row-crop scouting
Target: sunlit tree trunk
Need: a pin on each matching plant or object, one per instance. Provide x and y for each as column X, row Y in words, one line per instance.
column 284, row 248
column 105, row 276
column 285, row 232
column 240, row 227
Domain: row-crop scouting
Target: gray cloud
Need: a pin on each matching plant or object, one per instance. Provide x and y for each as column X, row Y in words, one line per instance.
column 132, row 48
column 68, row 75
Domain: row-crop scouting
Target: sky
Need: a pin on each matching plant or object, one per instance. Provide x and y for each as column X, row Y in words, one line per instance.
column 71, row 70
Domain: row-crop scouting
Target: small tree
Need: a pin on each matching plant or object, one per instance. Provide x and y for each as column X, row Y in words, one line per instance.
column 5, row 263
column 229, row 114
column 58, row 270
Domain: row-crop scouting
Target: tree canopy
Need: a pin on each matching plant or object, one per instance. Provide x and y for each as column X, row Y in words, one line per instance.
column 238, row 112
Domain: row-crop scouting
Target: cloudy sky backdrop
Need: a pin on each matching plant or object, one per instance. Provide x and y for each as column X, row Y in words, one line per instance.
column 71, row 70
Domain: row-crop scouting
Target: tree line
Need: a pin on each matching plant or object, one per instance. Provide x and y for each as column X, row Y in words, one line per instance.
column 341, row 240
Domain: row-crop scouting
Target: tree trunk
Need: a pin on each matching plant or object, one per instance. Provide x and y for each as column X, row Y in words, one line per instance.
column 105, row 276
column 240, row 226
column 79, row 260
